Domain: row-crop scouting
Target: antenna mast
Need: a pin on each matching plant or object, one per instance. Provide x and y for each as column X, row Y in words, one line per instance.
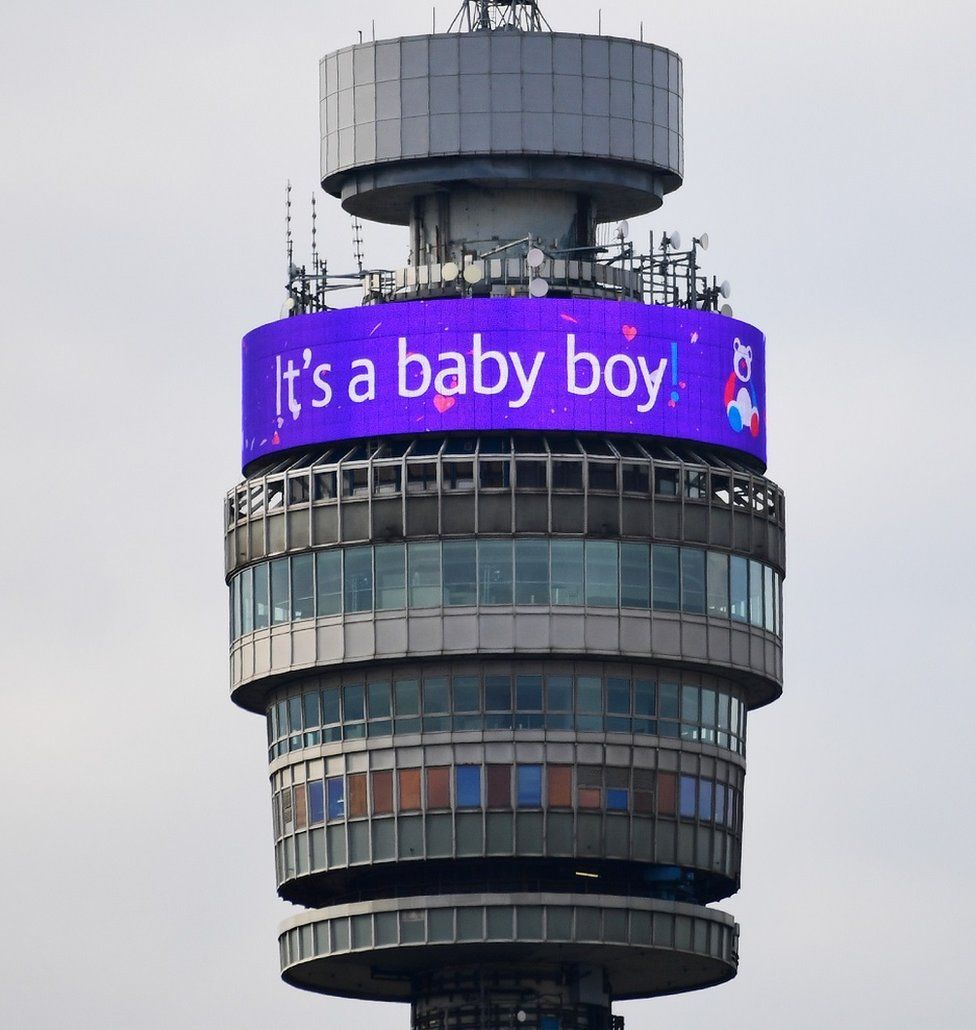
column 495, row 15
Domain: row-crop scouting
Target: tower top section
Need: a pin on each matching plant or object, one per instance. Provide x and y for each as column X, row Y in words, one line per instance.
column 492, row 15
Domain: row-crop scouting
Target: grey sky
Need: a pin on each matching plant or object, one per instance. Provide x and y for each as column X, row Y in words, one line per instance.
column 829, row 154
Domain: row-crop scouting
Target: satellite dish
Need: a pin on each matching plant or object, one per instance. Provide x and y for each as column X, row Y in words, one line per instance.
column 535, row 258
column 474, row 273
column 726, row 309
column 538, row 288
column 288, row 307
column 623, row 230
column 703, row 241
column 449, row 272
column 674, row 240
column 725, row 289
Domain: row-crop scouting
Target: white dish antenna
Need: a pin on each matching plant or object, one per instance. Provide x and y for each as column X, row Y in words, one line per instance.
column 674, row 239
column 474, row 273
column 726, row 309
column 725, row 289
column 450, row 272
column 288, row 307
column 535, row 258
column 538, row 288
column 623, row 230
column 703, row 241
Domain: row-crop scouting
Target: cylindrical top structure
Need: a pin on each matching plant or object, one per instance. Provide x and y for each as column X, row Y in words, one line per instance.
column 591, row 116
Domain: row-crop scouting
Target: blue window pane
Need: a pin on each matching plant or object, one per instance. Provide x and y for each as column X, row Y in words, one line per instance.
column 498, row 693
column 589, row 694
column 328, row 582
column 617, row 799
column 310, row 703
column 666, row 577
column 755, row 593
column 358, row 579
column 468, row 786
column 705, row 799
column 353, row 703
column 686, row 803
column 436, row 700
column 720, row 804
column 262, row 610
column 379, row 700
column 330, row 706
column 739, row 588
column 280, row 593
column 336, row 795
column 531, row 571
column 635, row 575
column 669, row 700
column 316, row 801
column 460, row 573
column 567, row 572
column 295, row 714
column 559, row 693
column 529, row 780
column 618, row 695
column 407, row 696
column 495, row 571
column 601, row 573
column 692, row 580
column 467, row 694
column 769, row 618
column 528, row 693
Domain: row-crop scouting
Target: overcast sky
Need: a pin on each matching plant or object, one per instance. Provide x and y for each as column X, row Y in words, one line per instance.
column 829, row 154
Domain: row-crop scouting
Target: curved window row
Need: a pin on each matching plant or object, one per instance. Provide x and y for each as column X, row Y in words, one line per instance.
column 386, row 792
column 427, row 703
column 505, row 571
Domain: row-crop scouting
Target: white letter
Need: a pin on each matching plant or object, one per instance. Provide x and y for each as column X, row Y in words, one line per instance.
column 407, row 359
column 368, row 377
column 291, row 374
column 457, row 371
column 652, row 380
column 528, row 384
column 278, row 385
column 318, row 377
column 620, row 359
column 490, row 355
column 571, row 359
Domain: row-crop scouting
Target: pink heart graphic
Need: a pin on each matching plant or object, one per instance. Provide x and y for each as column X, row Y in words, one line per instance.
column 629, row 332
column 444, row 403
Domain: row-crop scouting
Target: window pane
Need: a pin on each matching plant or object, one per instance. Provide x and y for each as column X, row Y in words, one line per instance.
column 356, row 802
column 528, row 693
column 316, row 802
column 498, row 693
column 768, row 617
column 567, row 572
column 666, row 578
column 635, row 575
column 310, row 705
column 495, row 571
column 328, row 582
column 529, row 779
column 330, row 706
column 379, row 700
column 666, row 791
column 391, row 580
column 666, row 482
column 467, row 694
column 755, row 593
column 601, row 573
column 567, row 475
column 382, row 792
column 409, row 790
column 559, row 693
column 669, row 700
column 438, row 787
column 589, row 694
column 617, row 799
column 560, row 786
column 739, row 588
column 358, row 579
column 468, row 786
column 407, row 697
column 718, row 584
column 460, row 570
column 499, row 786
column 302, row 594
column 280, row 594
column 424, row 575
column 692, row 579
column 353, row 703
column 247, row 601
column 262, row 610
column 335, row 795
column 618, row 695
column 530, row 474
column 686, row 808
column 705, row 799
column 531, row 571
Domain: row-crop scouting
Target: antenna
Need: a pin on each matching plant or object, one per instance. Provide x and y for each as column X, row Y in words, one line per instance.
column 357, row 242
column 493, row 15
column 289, row 244
column 315, row 253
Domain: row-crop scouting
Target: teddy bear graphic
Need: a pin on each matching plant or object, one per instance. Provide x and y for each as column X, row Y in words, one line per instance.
column 740, row 395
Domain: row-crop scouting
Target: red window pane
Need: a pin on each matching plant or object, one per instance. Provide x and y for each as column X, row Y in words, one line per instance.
column 499, row 786
column 560, row 779
column 439, row 787
column 667, row 788
column 589, row 797
column 356, row 796
column 644, row 802
column 409, row 790
column 382, row 793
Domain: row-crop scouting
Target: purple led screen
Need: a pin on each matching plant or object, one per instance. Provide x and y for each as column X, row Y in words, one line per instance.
column 504, row 363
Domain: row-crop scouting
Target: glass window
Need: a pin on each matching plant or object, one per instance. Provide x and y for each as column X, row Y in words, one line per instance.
column 529, row 789
column 247, row 601
column 602, row 475
column 467, row 694
column 560, row 786
column 387, row 479
column 262, row 608
column 460, row 573
column 280, row 594
column 690, row 704
column 458, row 475
column 316, row 802
column 705, row 799
column 755, row 593
column 720, row 804
column 421, row 477
column 635, row 575
column 686, row 804
column 567, row 572
column 532, row 571
column 467, row 786
column 695, row 484
column 498, row 787
column 495, row 571
column 528, row 693
column 335, row 796
column 589, row 703
column 692, row 580
column 302, row 588
column 718, row 584
column 379, row 700
column 406, row 696
column 356, row 802
column 235, row 607
column 355, row 482
column 636, row 479
column 391, row 592
column 358, row 579
column 331, row 719
column 382, row 792
column 353, row 710
column 424, row 574
column 494, row 475
column 530, row 474
column 437, row 704
column 666, row 793
column 618, row 704
column 311, row 713
column 618, row 799
column 328, row 582
column 644, row 706
column 567, row 475
column 667, row 591
column 768, row 592
column 324, row 485
column 601, row 573
column 409, row 792
column 739, row 588
column 438, row 787
column 666, row 482
column 498, row 699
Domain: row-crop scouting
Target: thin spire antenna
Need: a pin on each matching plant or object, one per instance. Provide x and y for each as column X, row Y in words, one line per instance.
column 289, row 242
column 495, row 15
column 315, row 253
column 357, row 242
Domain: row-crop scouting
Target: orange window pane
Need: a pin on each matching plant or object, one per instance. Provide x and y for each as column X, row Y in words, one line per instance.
column 499, row 786
column 667, row 788
column 301, row 816
column 560, row 779
column 409, row 790
column 439, row 787
column 356, row 796
column 589, row 797
column 382, row 793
